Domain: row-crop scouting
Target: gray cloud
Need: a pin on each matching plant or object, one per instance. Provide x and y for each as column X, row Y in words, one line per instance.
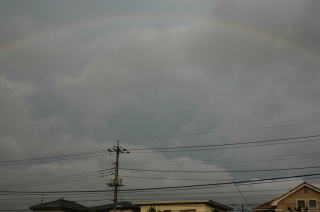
column 78, row 90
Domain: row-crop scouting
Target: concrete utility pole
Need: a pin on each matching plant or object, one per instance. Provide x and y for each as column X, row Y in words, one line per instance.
column 43, row 198
column 116, row 181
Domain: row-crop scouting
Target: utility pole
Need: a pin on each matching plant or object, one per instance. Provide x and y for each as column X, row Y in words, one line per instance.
column 43, row 198
column 242, row 208
column 116, row 182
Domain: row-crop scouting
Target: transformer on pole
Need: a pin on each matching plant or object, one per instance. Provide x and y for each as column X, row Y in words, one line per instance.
column 116, row 182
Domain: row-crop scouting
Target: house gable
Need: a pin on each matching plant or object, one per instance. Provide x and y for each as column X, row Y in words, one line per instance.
column 304, row 191
column 303, row 188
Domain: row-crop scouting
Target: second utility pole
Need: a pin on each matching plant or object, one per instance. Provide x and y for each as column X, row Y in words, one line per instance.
column 116, row 175
column 116, row 182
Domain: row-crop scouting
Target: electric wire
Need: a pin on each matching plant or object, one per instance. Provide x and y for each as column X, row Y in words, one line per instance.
column 219, row 131
column 163, row 188
column 230, row 144
column 180, row 148
column 217, row 171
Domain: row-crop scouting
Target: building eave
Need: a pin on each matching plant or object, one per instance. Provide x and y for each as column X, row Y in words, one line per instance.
column 210, row 203
column 272, row 204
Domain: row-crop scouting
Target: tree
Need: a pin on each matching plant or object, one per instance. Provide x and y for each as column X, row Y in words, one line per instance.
column 152, row 209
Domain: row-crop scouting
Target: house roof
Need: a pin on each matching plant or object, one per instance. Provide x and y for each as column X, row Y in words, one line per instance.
column 274, row 202
column 119, row 206
column 59, row 204
column 184, row 202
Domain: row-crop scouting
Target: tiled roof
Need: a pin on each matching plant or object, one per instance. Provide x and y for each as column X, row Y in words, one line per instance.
column 59, row 204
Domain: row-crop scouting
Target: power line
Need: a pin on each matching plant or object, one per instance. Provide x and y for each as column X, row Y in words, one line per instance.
column 230, row 147
column 223, row 183
column 218, row 131
column 53, row 158
column 242, row 195
column 161, row 188
column 168, row 178
column 70, row 178
column 136, row 150
column 49, row 180
column 246, row 159
column 205, row 197
column 217, row 171
column 159, row 194
column 234, row 144
column 251, row 183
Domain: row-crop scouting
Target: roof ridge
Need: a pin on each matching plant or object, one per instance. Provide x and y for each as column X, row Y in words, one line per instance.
column 59, row 203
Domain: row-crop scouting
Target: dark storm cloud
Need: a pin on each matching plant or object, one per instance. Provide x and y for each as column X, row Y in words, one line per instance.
column 77, row 90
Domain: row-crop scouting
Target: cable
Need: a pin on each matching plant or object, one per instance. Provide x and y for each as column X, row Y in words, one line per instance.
column 217, row 171
column 168, row 178
column 167, row 194
column 242, row 195
column 101, row 152
column 71, row 178
column 54, row 158
column 230, row 147
column 246, row 159
column 205, row 197
column 217, row 184
column 160, row 188
column 218, row 131
column 55, row 180
column 218, row 192
column 229, row 144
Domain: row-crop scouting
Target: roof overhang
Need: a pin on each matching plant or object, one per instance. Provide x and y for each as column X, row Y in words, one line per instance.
column 210, row 203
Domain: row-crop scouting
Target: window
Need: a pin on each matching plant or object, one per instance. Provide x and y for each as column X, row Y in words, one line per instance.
column 301, row 203
column 312, row 203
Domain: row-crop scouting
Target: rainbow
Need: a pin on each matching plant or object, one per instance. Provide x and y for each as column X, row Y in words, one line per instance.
column 126, row 18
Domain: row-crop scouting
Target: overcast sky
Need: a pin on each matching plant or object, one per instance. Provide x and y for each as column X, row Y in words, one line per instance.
column 76, row 75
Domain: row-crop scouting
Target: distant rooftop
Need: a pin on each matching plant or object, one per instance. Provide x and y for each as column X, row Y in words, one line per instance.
column 118, row 206
column 59, row 204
